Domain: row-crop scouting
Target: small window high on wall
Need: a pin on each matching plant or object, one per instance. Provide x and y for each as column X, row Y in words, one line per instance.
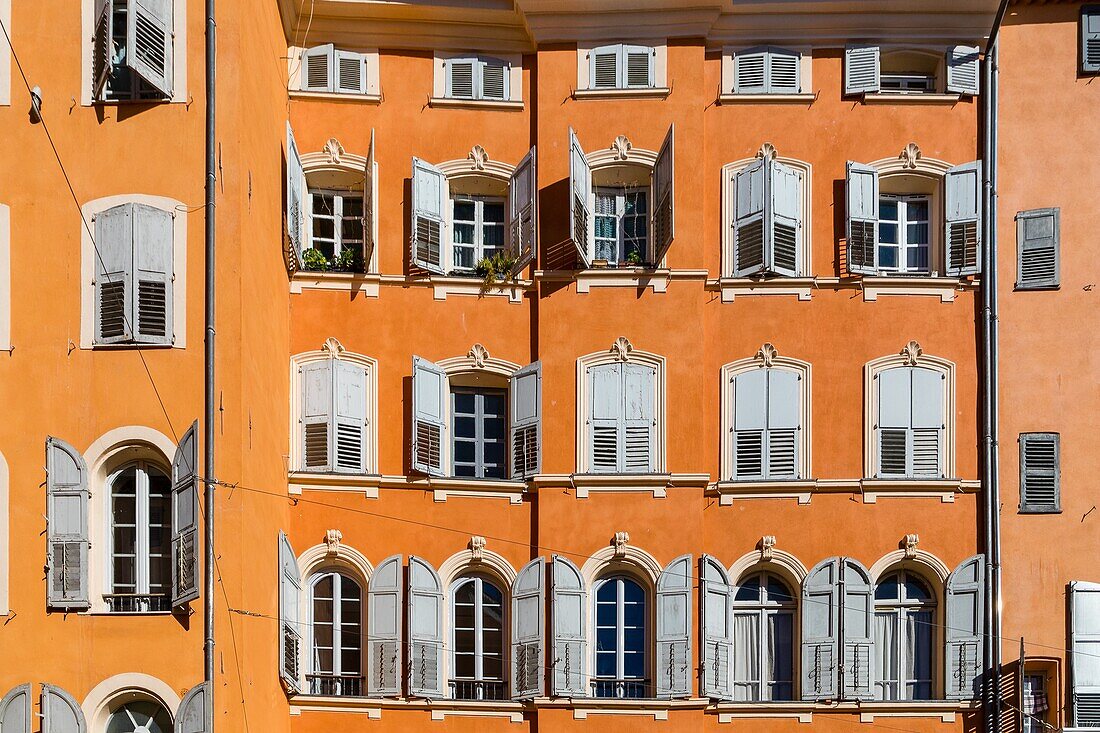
column 132, row 50
column 871, row 69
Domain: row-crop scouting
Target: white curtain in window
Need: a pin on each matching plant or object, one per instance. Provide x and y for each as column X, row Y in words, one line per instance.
column 746, row 656
column 918, row 646
column 886, row 646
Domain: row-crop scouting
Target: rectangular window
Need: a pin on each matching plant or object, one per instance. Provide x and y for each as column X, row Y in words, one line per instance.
column 477, row 78
column 1040, row 489
column 1038, row 245
column 1033, row 703
column 904, row 234
column 1084, row 674
column 622, row 226
column 907, row 83
column 1090, row 39
column 480, row 427
column 619, row 66
column 477, row 229
column 337, row 228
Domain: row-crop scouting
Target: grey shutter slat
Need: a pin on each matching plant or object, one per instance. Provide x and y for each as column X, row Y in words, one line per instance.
column 861, row 69
column 102, row 48
column 493, row 79
column 926, row 442
column 1040, row 472
column 522, row 211
column 316, row 421
column 784, row 423
column 350, row 426
column 821, row 631
column 784, row 72
column 857, row 631
column 425, row 604
column 674, row 653
column 748, row 219
column 295, row 197
column 528, row 630
column 60, row 712
column 290, row 630
column 580, row 186
column 153, row 275
column 604, row 67
column 963, row 218
column 715, row 609
column 195, row 713
column 570, row 643
column 316, row 71
column 1038, row 248
column 1084, row 636
column 429, row 422
column 895, row 420
column 861, row 192
column 639, row 420
column 962, row 70
column 1090, row 38
column 149, row 38
column 429, row 197
column 750, row 421
column 114, row 285
column 460, row 78
column 525, row 389
column 350, row 73
column 750, row 71
column 385, row 650
column 368, row 205
column 605, row 419
column 15, row 710
column 66, row 527
column 637, row 65
column 664, row 198
column 783, row 228
column 965, row 613
column 185, row 519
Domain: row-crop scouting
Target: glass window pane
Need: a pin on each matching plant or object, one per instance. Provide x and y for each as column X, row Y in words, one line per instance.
column 493, row 211
column 605, row 664
column 605, row 614
column 606, row 639
column 888, row 257
column 780, row 650
column 888, row 589
column 465, row 427
column 778, row 591
column 916, row 210
column 463, row 233
column 632, row 592
column 464, row 211
column 887, row 233
column 749, row 591
column 492, row 667
column 464, row 666
column 324, row 204
column 353, row 206
column 887, row 210
column 464, row 402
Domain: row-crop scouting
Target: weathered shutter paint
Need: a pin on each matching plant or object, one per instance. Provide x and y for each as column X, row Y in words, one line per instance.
column 290, row 629
column 195, row 713
column 316, row 421
column 894, row 421
column 926, row 441
column 523, row 211
column 748, row 219
column 102, row 48
column 114, row 267
column 149, row 40
column 460, row 78
column 784, row 71
column 716, row 622
column 493, row 81
column 368, row 205
column 750, row 421
column 861, row 69
column 185, row 518
column 525, row 389
column 385, row 650
column 350, row 73
column 783, row 211
column 962, row 70
column 153, row 275
column 605, row 64
column 425, row 605
column 965, row 613
column 570, row 645
column 605, row 420
column 639, row 427
column 750, row 71
column 821, row 631
column 1040, row 473
column 580, row 187
column 66, row 527
column 429, row 422
column 1084, row 640
column 60, row 711
column 963, row 218
column 1038, row 249
column 861, row 192
column 637, row 66
column 664, row 200
column 15, row 710
column 528, row 630
column 295, row 198
column 857, row 631
column 349, row 439
column 317, row 71
column 429, row 201
column 1090, row 38
column 674, row 616
column 784, row 423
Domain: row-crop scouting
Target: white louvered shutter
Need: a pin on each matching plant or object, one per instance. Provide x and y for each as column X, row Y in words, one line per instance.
column 196, row 711
column 783, row 227
column 750, row 71
column 15, row 710
column 102, row 48
column 637, row 62
column 861, row 192
column 429, row 424
column 295, row 201
column 493, row 79
column 149, row 40
column 605, row 420
column 1090, row 39
column 528, row 630
column 963, row 218
column 674, row 622
column 858, row 607
column 385, row 650
column 350, row 417
column 784, row 423
column 861, row 69
column 522, row 211
column 580, row 186
column 1040, row 473
column 317, row 68
column 153, row 274
column 290, row 626
column 460, row 75
column 1084, row 637
column 820, row 631
column 66, row 527
column 894, row 421
column 664, row 198
column 750, row 415
column 350, row 72
column 1037, row 249
column 369, row 203
column 429, row 199
column 185, row 518
column 784, row 72
column 716, row 623
column 425, row 604
column 962, row 70
column 604, row 69
column 748, row 220
column 525, row 390
column 965, row 613
column 570, row 646
column 114, row 297
column 316, row 420
column 928, row 429
column 639, row 419
column 60, row 711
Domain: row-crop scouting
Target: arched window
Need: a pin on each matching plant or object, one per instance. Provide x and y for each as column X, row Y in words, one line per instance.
column 478, row 640
column 763, row 639
column 335, row 643
column 140, row 541
column 905, row 612
column 140, row 716
column 620, row 639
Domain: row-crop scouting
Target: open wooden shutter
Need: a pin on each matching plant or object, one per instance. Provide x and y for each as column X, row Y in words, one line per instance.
column 149, row 38
column 526, row 392
column 895, row 419
column 664, row 198
column 784, row 72
column 580, row 187
column 114, row 297
column 196, row 712
column 522, row 210
column 295, row 201
column 784, row 423
column 316, row 419
column 460, row 76
column 425, row 630
column 350, row 73
column 528, row 628
column 783, row 228
column 385, row 650
column 639, row 419
column 1040, row 473
column 317, row 68
column 153, row 274
column 674, row 616
column 1090, row 39
column 290, row 631
column 927, row 436
column 716, row 622
column 857, row 631
column 962, row 69
column 605, row 420
column 750, row 421
column 820, row 631
column 965, row 614
column 15, row 710
column 66, row 527
column 1084, row 639
column 185, row 519
column 429, row 422
column 102, row 48
column 368, row 206
column 350, row 417
column 637, row 66
column 862, row 222
column 750, row 71
column 1037, row 249
column 963, row 218
column 748, row 220
column 861, row 69
column 60, row 712
column 570, row 643
column 605, row 63
column 429, row 197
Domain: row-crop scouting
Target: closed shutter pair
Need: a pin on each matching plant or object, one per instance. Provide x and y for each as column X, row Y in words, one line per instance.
column 862, row 69
column 1040, row 473
column 620, row 66
column 767, row 219
column 326, row 69
column 334, row 423
column 431, row 199
column 767, row 424
column 622, row 420
column 149, row 41
column 910, row 430
column 67, row 539
column 1084, row 641
column 430, row 395
column 766, row 70
column 476, row 78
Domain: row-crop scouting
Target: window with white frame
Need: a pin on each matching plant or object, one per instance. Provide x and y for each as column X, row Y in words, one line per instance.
column 479, row 417
column 335, row 410
column 905, row 624
column 139, row 716
column 904, row 237
column 763, row 639
column 910, row 423
column 477, row 229
column 336, row 232
column 132, row 50
column 477, row 77
column 477, row 610
column 622, row 226
column 335, row 635
column 326, row 68
column 621, row 66
column 622, row 421
column 766, row 70
column 140, row 539
column 620, row 639
column 1084, row 616
column 871, row 69
column 767, row 418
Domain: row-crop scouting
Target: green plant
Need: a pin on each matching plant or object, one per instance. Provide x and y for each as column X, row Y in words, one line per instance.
column 496, row 268
column 314, row 259
column 348, row 261
column 633, row 258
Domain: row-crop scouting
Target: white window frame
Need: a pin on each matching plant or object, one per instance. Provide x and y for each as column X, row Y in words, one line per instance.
column 141, row 528
column 479, row 678
column 479, row 442
column 761, row 611
column 337, row 624
column 903, row 245
column 338, row 197
column 295, row 72
column 647, row 681
column 936, row 83
column 901, row 610
column 479, row 247
column 619, row 196
column 513, row 81
column 334, row 159
column 658, row 69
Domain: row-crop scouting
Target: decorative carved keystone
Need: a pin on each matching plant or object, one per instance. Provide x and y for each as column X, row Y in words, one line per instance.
column 767, row 152
column 621, row 147
column 767, row 354
column 766, row 545
column 334, row 150
column 619, row 542
column 477, row 547
column 479, row 354
column 333, row 537
column 912, row 352
column 622, row 348
column 909, row 544
column 478, row 156
column 910, row 155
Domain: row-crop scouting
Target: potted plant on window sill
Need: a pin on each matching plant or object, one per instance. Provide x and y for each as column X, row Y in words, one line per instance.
column 348, row 260
column 496, row 270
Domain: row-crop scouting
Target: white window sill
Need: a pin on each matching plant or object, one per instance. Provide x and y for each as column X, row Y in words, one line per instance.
column 503, row 104
column 367, row 485
column 365, row 284
column 638, row 278
column 445, row 488
column 871, row 490
column 336, row 96
column 655, row 484
column 944, row 710
column 732, row 287
column 647, row 93
column 943, row 287
column 128, row 347
column 889, row 98
column 767, row 98
column 445, row 285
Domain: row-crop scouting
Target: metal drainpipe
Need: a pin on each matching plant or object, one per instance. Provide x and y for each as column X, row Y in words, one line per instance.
column 209, row 406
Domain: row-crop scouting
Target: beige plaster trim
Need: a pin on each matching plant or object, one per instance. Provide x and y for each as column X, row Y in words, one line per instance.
column 439, row 80
column 301, row 481
column 631, row 558
column 365, row 285
column 925, row 563
column 467, row 561
column 294, row 76
column 318, row 704
column 486, row 104
column 5, row 264
column 805, row 75
column 321, row 557
column 871, row 490
column 637, row 278
column 731, row 287
column 655, row 484
column 5, row 549
column 799, row 490
column 336, row 97
column 660, row 68
column 944, row 288
column 443, row 286
column 780, row 561
column 129, row 685
column 648, row 93
column 807, row 99
column 887, row 98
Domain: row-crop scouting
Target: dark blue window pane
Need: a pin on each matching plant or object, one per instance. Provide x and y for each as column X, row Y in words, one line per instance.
column 606, row 592
column 465, row 427
column 605, row 639
column 494, row 429
column 888, row 210
column 632, row 592
column 916, row 590
column 634, row 614
column 464, row 451
column 749, row 591
column 634, row 665
column 888, row 257
column 494, row 453
column 887, row 589
column 633, row 640
column 493, row 404
column 777, row 591
column 605, row 664
column 605, row 614
column 464, row 402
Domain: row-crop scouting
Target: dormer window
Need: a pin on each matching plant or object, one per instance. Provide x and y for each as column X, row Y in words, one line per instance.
column 871, row 70
column 328, row 69
column 621, row 66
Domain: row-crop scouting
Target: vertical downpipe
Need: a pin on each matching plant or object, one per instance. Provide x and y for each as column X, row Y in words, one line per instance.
column 209, row 392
